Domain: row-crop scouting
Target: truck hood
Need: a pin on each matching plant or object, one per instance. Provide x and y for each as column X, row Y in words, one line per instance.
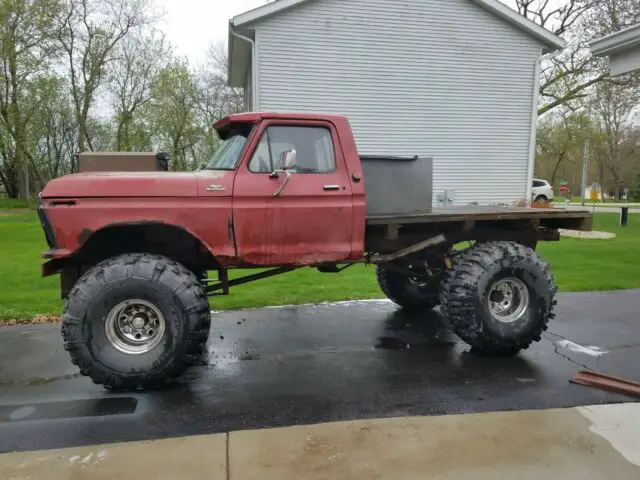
column 123, row 184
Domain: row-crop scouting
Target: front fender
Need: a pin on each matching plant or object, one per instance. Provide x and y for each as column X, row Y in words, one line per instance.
column 74, row 224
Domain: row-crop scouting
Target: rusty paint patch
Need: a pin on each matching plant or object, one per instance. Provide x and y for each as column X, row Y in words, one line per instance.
column 607, row 382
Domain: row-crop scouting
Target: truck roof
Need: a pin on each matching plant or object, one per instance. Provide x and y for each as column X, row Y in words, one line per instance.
column 255, row 117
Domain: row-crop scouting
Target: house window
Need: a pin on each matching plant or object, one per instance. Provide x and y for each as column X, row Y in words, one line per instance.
column 313, row 147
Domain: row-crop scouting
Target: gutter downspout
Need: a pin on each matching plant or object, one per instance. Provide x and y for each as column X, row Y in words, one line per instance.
column 534, row 121
column 254, row 68
column 534, row 127
column 550, row 55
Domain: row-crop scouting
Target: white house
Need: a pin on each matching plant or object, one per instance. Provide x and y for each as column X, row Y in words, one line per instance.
column 622, row 48
column 456, row 80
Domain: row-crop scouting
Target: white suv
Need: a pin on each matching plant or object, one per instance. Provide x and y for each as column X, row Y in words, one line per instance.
column 542, row 191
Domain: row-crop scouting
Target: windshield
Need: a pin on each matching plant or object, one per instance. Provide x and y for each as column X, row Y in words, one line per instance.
column 228, row 154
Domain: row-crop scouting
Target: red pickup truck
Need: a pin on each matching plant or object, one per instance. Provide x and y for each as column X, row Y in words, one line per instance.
column 134, row 249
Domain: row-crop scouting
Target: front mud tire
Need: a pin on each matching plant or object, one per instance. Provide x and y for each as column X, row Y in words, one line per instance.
column 159, row 289
column 408, row 294
column 486, row 322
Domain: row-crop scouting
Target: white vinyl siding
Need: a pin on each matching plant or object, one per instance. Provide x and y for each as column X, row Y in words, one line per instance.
column 248, row 91
column 625, row 62
column 436, row 78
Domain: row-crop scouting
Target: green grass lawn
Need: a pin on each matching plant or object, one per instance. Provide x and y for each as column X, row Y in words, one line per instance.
column 588, row 202
column 577, row 265
column 12, row 203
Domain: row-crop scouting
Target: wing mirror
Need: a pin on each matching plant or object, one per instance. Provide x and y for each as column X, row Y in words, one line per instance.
column 288, row 159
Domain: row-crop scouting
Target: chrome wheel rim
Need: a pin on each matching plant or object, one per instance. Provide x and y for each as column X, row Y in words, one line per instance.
column 135, row 326
column 508, row 299
column 417, row 282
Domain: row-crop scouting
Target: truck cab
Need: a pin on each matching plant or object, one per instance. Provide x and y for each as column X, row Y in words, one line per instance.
column 296, row 181
column 282, row 189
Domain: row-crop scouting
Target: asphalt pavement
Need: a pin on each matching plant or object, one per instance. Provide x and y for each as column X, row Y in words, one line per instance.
column 304, row 365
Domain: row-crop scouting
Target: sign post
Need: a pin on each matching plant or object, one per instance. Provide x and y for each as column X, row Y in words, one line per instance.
column 585, row 167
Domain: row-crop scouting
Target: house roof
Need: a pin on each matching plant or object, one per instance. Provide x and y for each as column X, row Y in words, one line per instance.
column 243, row 22
column 616, row 42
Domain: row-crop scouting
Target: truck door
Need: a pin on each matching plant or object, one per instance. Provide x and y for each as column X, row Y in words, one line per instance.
column 292, row 201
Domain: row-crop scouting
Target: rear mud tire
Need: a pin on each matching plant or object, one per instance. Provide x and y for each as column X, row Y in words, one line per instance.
column 465, row 297
column 167, row 286
column 402, row 291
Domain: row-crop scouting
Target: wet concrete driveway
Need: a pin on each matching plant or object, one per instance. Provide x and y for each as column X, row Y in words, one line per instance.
column 311, row 364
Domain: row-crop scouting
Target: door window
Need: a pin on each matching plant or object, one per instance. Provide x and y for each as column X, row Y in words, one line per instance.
column 313, row 147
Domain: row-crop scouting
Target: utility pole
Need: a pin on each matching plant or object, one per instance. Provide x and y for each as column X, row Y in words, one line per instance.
column 585, row 167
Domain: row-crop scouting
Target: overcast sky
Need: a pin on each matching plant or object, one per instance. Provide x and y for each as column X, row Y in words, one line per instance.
column 192, row 25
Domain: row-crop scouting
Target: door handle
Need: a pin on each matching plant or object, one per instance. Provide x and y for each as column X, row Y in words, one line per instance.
column 284, row 183
column 331, row 187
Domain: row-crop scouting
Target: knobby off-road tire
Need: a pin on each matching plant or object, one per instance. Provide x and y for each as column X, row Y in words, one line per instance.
column 472, row 297
column 408, row 294
column 103, row 329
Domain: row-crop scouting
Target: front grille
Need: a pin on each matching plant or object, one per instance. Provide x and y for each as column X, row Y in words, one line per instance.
column 46, row 226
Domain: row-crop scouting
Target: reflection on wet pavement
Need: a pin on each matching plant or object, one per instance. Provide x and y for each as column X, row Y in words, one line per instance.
column 67, row 409
column 307, row 364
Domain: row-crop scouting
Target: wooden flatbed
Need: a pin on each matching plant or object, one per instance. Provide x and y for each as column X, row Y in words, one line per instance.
column 545, row 217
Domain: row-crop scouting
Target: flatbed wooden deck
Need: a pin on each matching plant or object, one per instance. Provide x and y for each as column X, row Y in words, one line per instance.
column 548, row 217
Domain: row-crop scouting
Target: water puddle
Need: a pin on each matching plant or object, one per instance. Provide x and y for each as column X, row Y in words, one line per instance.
column 67, row 409
column 392, row 343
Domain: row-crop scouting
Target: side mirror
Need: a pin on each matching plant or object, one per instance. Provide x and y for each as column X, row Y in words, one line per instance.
column 288, row 159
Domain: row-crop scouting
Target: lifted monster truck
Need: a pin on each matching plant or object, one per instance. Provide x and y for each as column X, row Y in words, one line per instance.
column 284, row 191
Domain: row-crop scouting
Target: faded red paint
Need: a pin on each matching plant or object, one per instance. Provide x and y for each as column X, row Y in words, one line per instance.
column 257, row 117
column 188, row 213
column 123, row 185
column 305, row 225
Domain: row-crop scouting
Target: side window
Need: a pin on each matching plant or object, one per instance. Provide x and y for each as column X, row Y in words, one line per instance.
column 313, row 147
column 261, row 160
column 538, row 183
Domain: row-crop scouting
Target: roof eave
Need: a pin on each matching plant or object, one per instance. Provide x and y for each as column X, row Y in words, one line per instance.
column 239, row 57
column 264, row 11
column 550, row 41
column 616, row 42
column 230, row 42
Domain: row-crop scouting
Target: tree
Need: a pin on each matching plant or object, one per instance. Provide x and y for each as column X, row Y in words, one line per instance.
column 173, row 116
column 89, row 32
column 634, row 191
column 568, row 76
column 100, row 132
column 26, row 48
column 214, row 98
column 53, row 130
column 226, row 99
column 613, row 107
column 138, row 59
column 608, row 16
column 8, row 174
column 560, row 146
